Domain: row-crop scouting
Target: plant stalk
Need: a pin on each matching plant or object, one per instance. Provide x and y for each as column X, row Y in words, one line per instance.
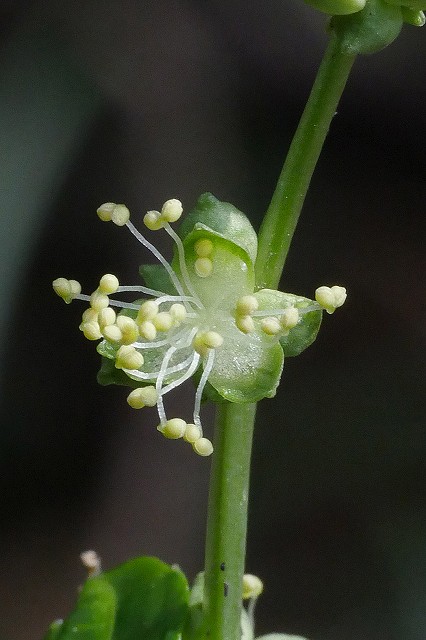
column 227, row 520
column 279, row 223
column 229, row 483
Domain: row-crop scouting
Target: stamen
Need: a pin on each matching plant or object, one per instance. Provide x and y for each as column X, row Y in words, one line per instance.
column 159, row 384
column 139, row 289
column 195, row 359
column 199, row 393
column 182, row 263
column 203, row 447
column 173, row 429
column 142, row 397
column 160, row 343
column 203, row 267
column 135, row 373
column 108, row 284
column 158, row 255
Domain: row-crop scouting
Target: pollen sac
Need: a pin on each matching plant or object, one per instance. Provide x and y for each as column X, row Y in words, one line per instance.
column 252, row 586
column 66, row 289
column 330, row 298
column 307, row 312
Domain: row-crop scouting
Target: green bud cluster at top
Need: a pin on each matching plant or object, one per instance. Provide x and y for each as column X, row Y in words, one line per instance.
column 201, row 317
column 367, row 26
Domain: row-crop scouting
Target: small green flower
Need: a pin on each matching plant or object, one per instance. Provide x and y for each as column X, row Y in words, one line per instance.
column 202, row 317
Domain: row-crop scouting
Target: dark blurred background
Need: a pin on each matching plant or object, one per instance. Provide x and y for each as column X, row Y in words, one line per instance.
column 138, row 102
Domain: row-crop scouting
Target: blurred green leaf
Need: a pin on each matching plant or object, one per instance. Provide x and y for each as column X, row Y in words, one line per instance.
column 143, row 599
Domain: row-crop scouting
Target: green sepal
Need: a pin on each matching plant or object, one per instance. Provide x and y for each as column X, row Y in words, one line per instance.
column 143, row 599
column 247, row 367
column 224, row 219
column 232, row 275
column 369, row 30
column 413, row 16
column 337, row 7
column 156, row 277
column 109, row 374
column 209, row 393
column 305, row 332
column 415, row 5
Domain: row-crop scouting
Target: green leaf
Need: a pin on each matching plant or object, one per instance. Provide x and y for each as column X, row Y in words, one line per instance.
column 225, row 220
column 93, row 618
column 152, row 600
column 54, row 630
column 369, row 30
column 304, row 333
column 156, row 277
column 143, row 599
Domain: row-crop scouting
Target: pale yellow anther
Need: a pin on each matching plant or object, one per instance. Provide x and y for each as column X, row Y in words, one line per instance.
column 120, row 215
column 91, row 330
column 203, row 267
column 128, row 358
column 340, row 295
column 163, row 321
column 212, row 339
column 66, row 289
column 205, row 340
column 148, row 310
column 105, row 211
column 99, row 300
column 128, row 328
column 330, row 298
column 245, row 324
column 173, row 429
column 112, row 333
column 203, row 248
column 178, row 313
column 108, row 284
column 203, row 447
column 271, row 326
column 171, row 210
column 192, row 433
column 252, row 586
column 289, row 319
column 143, row 397
column 147, row 330
column 246, row 305
column 153, row 221
column 89, row 315
column 106, row 316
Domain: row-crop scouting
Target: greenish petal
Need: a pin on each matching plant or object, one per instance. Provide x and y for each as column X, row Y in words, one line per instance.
column 224, row 219
column 304, row 333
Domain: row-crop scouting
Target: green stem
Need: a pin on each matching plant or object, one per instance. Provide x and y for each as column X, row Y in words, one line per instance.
column 227, row 509
column 227, row 520
column 281, row 218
